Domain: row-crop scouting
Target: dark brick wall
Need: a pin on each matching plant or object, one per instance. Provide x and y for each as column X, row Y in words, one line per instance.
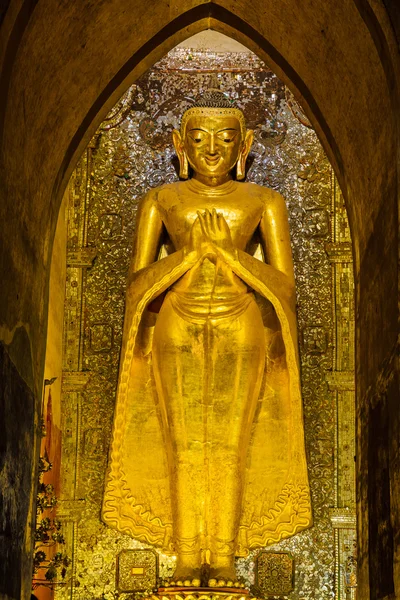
column 379, row 525
column 17, row 443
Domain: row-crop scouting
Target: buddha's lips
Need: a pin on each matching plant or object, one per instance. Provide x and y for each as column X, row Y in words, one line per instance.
column 212, row 159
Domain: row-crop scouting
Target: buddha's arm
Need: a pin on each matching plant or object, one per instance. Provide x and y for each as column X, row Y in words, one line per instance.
column 258, row 274
column 277, row 272
column 273, row 280
column 146, row 272
column 149, row 277
column 147, row 240
column 271, row 283
column 275, row 237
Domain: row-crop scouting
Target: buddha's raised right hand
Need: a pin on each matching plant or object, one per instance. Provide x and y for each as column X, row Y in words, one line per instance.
column 216, row 231
column 200, row 243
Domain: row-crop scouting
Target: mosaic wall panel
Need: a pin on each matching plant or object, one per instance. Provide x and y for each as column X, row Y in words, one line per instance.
column 274, row 574
column 132, row 152
column 137, row 570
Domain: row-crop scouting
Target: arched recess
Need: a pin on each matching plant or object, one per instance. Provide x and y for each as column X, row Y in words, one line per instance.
column 201, row 17
column 52, row 109
column 115, row 170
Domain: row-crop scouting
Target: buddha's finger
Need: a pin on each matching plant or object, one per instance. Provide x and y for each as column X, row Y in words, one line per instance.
column 214, row 220
column 202, row 223
column 220, row 222
column 208, row 221
column 223, row 224
column 195, row 224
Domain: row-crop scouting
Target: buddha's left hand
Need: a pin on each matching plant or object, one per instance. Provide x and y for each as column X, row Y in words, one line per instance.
column 216, row 230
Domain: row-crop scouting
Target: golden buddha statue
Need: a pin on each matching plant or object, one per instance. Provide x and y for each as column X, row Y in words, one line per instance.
column 207, row 457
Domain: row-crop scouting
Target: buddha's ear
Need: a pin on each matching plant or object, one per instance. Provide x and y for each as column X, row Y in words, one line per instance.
column 181, row 153
column 243, row 154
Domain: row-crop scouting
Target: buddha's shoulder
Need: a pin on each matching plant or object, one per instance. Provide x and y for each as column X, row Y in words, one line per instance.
column 269, row 197
column 167, row 190
column 170, row 191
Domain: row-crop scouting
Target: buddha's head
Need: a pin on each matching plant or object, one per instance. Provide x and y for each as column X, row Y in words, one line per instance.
column 213, row 140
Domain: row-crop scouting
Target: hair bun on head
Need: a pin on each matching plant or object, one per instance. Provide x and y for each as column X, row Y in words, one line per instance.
column 213, row 98
column 213, row 103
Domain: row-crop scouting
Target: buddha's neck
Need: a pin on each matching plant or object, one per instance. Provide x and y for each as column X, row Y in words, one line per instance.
column 205, row 189
column 211, row 181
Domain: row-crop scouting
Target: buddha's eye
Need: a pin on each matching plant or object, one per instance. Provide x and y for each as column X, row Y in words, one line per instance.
column 196, row 140
column 196, row 137
column 227, row 137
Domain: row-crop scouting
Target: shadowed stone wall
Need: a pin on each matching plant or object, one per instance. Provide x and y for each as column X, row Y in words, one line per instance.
column 17, row 457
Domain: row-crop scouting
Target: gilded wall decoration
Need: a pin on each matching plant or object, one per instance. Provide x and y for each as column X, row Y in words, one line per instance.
column 132, row 152
column 274, row 574
column 137, row 570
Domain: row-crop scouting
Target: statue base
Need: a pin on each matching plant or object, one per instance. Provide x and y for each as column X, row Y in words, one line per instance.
column 201, row 593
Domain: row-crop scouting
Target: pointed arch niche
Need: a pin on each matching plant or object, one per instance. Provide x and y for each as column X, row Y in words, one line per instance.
column 130, row 153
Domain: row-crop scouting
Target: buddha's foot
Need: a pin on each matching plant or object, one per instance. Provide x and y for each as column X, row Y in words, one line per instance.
column 187, row 573
column 224, row 576
column 225, row 582
column 182, row 583
column 183, row 580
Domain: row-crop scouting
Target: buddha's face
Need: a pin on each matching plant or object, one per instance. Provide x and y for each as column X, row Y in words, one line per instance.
column 212, row 145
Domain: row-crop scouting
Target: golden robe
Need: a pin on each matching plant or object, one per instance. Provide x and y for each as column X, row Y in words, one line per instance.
column 276, row 498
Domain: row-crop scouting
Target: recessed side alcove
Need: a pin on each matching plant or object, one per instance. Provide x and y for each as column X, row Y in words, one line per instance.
column 130, row 153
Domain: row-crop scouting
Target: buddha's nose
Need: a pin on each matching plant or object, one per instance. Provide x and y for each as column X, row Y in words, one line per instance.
column 211, row 148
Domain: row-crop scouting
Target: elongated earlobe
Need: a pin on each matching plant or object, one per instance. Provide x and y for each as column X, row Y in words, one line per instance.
column 240, row 168
column 241, row 163
column 183, row 161
column 183, row 166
